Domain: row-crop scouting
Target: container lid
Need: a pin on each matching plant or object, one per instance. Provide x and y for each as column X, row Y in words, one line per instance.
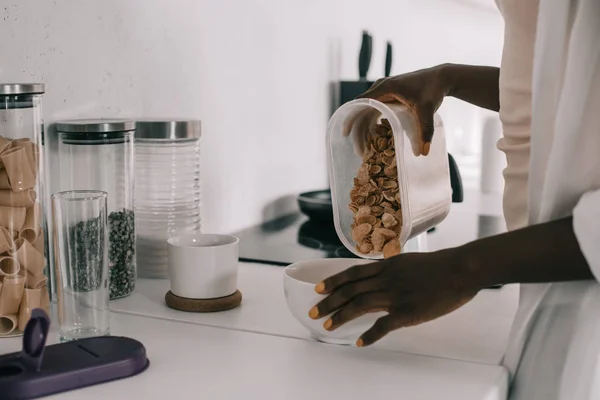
column 168, row 129
column 21, row 88
column 95, row 125
column 95, row 131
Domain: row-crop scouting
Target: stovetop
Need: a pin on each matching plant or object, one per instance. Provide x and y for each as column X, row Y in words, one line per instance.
column 289, row 239
column 293, row 238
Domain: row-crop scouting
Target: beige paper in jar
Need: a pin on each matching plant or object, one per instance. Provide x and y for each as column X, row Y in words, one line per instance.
column 4, row 144
column 9, row 266
column 4, row 182
column 6, row 240
column 39, row 242
column 36, row 159
column 8, row 323
column 18, row 167
column 36, row 281
column 31, row 151
column 12, row 292
column 30, row 259
column 45, row 300
column 26, row 198
column 13, row 218
column 31, row 226
column 31, row 300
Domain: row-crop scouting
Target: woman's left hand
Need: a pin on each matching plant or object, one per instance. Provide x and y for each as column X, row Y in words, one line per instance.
column 412, row 288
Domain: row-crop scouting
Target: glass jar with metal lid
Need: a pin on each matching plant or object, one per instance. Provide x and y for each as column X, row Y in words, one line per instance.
column 23, row 273
column 99, row 155
column 167, row 188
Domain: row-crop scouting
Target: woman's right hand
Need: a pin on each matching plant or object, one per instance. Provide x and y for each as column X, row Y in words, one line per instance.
column 422, row 92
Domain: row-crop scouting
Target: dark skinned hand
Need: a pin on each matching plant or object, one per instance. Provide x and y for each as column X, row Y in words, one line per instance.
column 422, row 92
column 412, row 288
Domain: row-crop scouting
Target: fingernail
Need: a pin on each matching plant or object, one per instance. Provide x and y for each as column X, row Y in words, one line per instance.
column 314, row 313
column 426, row 148
column 320, row 288
column 327, row 325
column 360, row 343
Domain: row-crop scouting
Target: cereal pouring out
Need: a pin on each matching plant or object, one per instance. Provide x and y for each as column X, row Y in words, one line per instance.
column 375, row 197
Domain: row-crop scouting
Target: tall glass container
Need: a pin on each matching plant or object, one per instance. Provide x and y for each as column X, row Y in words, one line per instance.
column 81, row 243
column 23, row 273
column 98, row 155
column 167, row 189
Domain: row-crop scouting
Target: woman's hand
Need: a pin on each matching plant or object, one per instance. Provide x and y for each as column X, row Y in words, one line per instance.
column 417, row 287
column 422, row 92
column 412, row 288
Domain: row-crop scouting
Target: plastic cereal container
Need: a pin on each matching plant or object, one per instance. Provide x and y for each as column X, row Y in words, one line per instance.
column 384, row 192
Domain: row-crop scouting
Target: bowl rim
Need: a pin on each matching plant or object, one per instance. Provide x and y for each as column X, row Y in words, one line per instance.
column 228, row 240
column 294, row 266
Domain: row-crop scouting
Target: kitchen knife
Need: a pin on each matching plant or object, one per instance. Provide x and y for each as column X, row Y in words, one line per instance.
column 388, row 59
column 364, row 58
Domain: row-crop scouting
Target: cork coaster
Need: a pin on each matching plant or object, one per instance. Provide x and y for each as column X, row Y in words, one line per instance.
column 203, row 305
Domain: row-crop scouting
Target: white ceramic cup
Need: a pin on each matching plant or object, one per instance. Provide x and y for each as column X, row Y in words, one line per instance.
column 203, row 266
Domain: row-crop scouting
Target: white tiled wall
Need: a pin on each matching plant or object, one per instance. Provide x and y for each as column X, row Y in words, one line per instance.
column 256, row 72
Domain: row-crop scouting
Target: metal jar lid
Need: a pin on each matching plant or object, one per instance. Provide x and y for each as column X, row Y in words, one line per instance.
column 107, row 131
column 168, row 130
column 95, row 125
column 7, row 89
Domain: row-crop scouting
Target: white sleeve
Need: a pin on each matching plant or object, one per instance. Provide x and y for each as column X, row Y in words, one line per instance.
column 586, row 224
column 566, row 116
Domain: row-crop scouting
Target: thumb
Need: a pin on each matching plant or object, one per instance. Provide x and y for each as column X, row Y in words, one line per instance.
column 424, row 116
column 379, row 91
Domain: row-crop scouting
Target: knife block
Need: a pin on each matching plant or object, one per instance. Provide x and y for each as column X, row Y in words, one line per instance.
column 348, row 90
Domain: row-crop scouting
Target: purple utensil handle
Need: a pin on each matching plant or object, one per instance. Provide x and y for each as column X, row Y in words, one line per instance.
column 39, row 371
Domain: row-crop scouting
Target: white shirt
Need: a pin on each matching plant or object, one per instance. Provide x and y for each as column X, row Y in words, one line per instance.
column 520, row 17
column 554, row 348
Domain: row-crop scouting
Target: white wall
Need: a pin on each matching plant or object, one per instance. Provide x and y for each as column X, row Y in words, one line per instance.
column 255, row 71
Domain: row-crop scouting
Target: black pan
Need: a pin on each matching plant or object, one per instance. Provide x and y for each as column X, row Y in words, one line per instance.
column 316, row 205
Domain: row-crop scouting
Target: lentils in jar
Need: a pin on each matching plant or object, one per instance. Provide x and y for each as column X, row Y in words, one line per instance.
column 121, row 253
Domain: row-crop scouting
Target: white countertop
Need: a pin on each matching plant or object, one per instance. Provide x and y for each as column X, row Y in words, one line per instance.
column 259, row 350
column 189, row 362
column 477, row 332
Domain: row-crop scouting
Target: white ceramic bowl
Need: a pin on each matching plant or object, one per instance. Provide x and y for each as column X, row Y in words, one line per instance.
column 299, row 284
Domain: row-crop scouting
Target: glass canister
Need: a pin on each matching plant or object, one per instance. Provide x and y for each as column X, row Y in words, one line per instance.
column 167, row 189
column 99, row 155
column 385, row 194
column 23, row 273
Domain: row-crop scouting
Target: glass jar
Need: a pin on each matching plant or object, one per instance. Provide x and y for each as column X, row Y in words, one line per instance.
column 167, row 189
column 385, row 194
column 98, row 155
column 23, row 273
